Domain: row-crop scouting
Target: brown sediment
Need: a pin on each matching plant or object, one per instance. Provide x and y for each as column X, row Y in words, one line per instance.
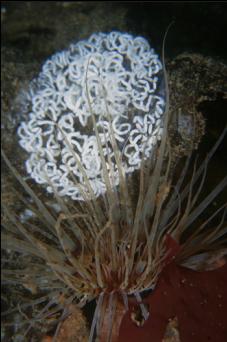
column 172, row 331
column 74, row 328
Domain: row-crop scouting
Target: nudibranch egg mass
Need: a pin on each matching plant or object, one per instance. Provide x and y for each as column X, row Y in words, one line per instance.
column 111, row 81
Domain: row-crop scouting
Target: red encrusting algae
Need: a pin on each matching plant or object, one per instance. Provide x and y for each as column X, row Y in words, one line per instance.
column 197, row 299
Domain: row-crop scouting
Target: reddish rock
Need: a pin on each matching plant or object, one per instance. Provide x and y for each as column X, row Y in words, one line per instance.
column 197, row 299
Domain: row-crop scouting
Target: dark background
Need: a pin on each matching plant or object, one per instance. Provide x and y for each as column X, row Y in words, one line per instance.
column 199, row 26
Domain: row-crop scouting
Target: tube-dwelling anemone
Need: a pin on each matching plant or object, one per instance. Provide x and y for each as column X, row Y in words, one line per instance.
column 113, row 247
